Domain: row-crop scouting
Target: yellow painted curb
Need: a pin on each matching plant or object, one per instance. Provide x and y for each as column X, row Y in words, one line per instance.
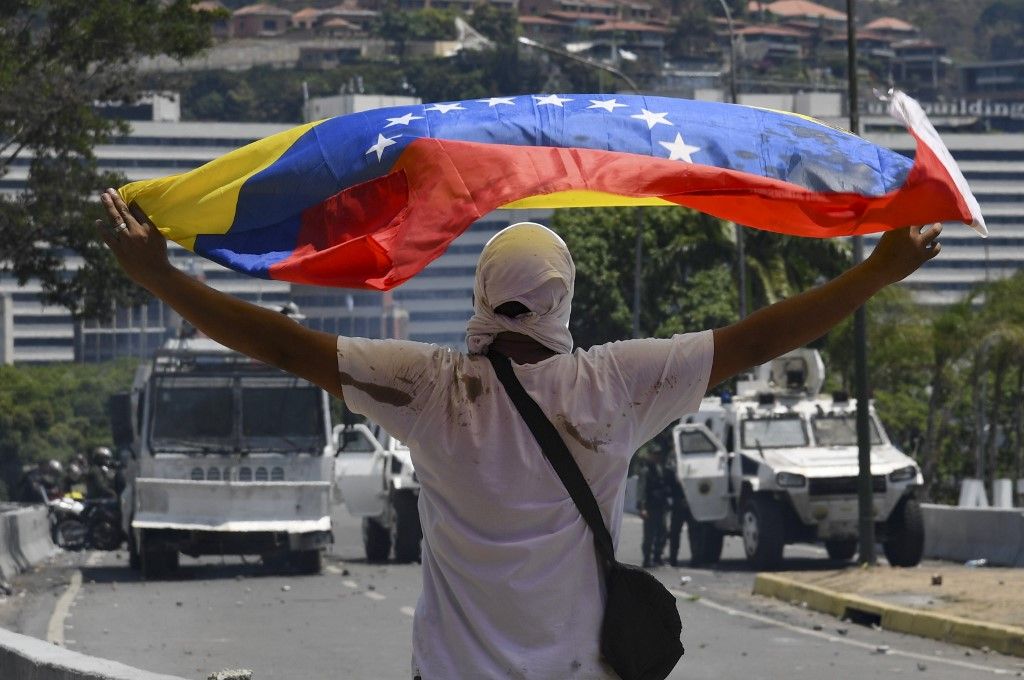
column 997, row 637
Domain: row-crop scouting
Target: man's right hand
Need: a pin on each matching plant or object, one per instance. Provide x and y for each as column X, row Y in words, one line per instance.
column 138, row 246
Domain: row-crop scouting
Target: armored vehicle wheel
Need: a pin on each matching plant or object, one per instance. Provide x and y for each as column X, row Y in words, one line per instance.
column 406, row 532
column 904, row 543
column 763, row 532
column 158, row 563
column 307, row 561
column 705, row 543
column 841, row 550
column 376, row 540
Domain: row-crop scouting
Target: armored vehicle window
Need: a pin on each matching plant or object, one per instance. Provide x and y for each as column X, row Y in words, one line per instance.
column 695, row 442
column 774, row 432
column 284, row 411
column 181, row 412
column 841, row 430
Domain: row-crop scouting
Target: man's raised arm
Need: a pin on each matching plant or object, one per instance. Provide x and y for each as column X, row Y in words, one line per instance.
column 266, row 335
column 792, row 323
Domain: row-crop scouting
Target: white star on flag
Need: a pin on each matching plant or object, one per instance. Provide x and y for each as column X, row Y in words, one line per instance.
column 608, row 105
column 552, row 99
column 445, row 108
column 652, row 119
column 494, row 101
column 402, row 120
column 678, row 150
column 382, row 143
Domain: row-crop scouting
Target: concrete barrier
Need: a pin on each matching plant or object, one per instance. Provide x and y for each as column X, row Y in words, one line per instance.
column 962, row 534
column 27, row 658
column 24, row 539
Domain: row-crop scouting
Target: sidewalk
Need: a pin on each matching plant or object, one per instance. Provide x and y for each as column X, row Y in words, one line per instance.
column 979, row 607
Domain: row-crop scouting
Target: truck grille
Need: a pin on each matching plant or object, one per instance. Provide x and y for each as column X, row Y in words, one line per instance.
column 842, row 486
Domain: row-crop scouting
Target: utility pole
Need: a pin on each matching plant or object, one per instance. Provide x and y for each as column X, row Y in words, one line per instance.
column 741, row 255
column 865, row 498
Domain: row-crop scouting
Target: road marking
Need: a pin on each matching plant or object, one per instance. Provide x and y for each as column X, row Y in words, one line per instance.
column 834, row 638
column 331, row 569
column 373, row 595
column 348, row 583
column 55, row 629
column 408, row 611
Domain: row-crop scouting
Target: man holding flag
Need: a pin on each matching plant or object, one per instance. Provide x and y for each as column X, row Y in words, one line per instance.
column 511, row 584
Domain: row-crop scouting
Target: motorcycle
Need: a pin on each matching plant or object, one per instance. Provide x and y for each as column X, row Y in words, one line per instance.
column 79, row 523
column 67, row 525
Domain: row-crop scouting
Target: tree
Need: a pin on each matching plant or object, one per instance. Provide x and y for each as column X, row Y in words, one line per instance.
column 686, row 279
column 54, row 412
column 58, row 59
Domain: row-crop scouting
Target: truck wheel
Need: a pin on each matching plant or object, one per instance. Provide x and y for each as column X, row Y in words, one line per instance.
column 376, row 540
column 904, row 543
column 841, row 550
column 406, row 532
column 156, row 562
column 763, row 537
column 705, row 543
column 307, row 561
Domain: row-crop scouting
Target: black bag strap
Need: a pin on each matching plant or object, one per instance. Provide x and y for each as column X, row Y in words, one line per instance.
column 555, row 450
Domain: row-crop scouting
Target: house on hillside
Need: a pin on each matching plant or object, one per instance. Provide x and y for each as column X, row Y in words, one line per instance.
column 920, row 65
column 796, row 10
column 770, row 44
column 260, row 21
column 893, row 28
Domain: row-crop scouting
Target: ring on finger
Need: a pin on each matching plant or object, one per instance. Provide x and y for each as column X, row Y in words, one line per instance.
column 120, row 229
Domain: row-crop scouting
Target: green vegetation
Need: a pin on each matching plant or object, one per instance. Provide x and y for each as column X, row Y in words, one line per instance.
column 58, row 57
column 55, row 411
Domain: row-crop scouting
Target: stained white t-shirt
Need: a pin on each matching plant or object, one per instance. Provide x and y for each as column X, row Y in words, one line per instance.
column 511, row 585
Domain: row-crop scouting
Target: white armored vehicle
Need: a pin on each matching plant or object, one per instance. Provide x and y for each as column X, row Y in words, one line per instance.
column 227, row 456
column 375, row 476
column 777, row 464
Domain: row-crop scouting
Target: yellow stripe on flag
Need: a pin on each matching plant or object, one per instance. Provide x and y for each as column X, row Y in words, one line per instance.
column 583, row 198
column 208, row 195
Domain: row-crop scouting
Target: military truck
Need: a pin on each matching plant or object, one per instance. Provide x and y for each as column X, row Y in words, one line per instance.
column 778, row 464
column 375, row 476
column 223, row 455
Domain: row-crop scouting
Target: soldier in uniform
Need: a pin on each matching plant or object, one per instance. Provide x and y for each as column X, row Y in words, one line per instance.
column 679, row 511
column 653, row 496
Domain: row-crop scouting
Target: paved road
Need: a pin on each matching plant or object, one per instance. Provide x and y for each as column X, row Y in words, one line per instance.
column 355, row 621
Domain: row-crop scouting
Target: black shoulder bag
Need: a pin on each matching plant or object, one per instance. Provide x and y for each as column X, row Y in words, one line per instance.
column 641, row 628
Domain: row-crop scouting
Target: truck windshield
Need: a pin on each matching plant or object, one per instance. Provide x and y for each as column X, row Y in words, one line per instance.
column 192, row 417
column 841, row 430
column 282, row 416
column 218, row 414
column 774, row 432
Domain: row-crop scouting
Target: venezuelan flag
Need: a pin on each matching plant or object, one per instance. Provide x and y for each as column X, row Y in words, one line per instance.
column 369, row 199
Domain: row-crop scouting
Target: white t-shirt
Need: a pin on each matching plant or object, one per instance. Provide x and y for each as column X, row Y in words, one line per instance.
column 511, row 585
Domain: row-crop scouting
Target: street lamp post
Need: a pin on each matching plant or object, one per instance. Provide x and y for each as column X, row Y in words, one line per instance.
column 865, row 499
column 741, row 255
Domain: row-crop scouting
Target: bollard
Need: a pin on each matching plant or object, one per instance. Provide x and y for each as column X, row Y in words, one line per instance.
column 1002, row 493
column 972, row 494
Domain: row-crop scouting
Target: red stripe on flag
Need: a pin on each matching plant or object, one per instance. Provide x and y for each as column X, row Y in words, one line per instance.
column 381, row 233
